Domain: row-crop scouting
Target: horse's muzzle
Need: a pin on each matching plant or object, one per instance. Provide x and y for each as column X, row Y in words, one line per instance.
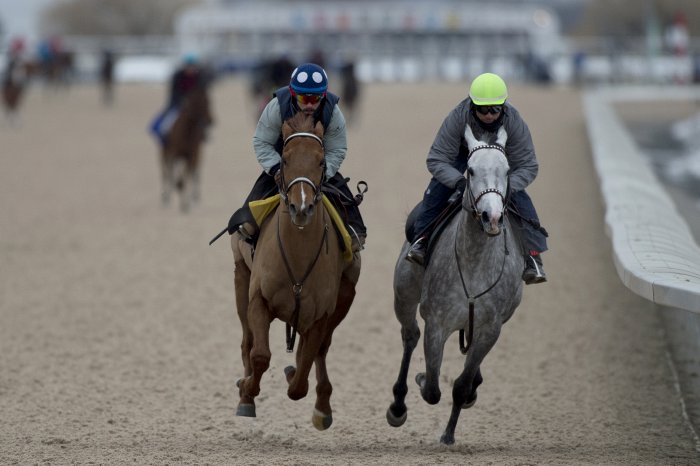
column 491, row 224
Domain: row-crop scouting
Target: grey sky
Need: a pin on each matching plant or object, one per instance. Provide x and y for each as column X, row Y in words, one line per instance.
column 21, row 17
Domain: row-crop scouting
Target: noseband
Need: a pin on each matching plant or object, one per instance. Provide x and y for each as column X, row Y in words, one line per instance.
column 473, row 201
column 284, row 190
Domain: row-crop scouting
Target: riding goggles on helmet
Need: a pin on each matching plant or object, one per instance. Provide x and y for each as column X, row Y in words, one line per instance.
column 304, row 99
column 486, row 109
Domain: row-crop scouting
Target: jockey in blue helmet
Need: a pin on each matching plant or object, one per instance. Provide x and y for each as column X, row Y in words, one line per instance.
column 307, row 92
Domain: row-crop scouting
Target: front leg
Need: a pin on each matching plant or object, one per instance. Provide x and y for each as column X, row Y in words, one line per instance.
column 309, row 346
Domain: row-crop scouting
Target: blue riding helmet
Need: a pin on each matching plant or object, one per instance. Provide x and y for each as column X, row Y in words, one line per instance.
column 190, row 59
column 309, row 78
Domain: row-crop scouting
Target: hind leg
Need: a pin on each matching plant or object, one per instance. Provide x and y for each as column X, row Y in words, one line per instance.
column 241, row 284
column 195, row 169
column 166, row 169
column 259, row 318
column 406, row 298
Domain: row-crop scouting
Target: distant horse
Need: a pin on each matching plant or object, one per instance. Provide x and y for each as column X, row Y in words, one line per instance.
column 472, row 284
column 298, row 276
column 181, row 153
column 350, row 92
column 14, row 82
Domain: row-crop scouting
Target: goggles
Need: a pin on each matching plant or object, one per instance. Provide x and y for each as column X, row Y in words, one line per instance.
column 304, row 99
column 486, row 109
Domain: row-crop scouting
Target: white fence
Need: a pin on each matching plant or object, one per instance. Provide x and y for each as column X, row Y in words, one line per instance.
column 654, row 250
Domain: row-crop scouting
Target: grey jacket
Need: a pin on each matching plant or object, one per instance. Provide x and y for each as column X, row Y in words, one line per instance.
column 520, row 150
column 270, row 127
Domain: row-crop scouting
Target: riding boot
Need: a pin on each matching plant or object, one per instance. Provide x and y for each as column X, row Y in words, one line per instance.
column 264, row 186
column 534, row 270
column 249, row 232
column 416, row 253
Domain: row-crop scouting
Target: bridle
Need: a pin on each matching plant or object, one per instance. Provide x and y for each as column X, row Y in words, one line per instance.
column 474, row 200
column 284, row 187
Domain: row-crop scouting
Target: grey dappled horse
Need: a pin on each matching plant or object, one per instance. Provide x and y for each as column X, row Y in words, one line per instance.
column 476, row 259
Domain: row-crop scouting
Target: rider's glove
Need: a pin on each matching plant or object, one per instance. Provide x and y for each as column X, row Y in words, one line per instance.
column 461, row 185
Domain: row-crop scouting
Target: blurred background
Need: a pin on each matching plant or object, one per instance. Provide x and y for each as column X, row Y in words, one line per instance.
column 545, row 41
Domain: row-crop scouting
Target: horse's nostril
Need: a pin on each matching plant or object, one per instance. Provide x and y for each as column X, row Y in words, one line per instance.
column 310, row 209
column 292, row 210
column 485, row 217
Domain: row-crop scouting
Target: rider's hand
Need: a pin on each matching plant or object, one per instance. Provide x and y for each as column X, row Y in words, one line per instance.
column 278, row 176
column 461, row 185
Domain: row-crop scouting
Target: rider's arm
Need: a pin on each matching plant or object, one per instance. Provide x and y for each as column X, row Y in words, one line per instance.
column 443, row 153
column 266, row 135
column 520, row 150
column 335, row 142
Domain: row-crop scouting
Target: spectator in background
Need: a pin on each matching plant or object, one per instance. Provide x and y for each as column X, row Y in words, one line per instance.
column 107, row 76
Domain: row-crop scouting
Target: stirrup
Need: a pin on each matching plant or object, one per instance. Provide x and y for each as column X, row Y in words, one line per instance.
column 416, row 253
column 533, row 273
column 358, row 241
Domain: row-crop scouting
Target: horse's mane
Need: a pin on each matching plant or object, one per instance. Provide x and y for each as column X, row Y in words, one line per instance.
column 301, row 123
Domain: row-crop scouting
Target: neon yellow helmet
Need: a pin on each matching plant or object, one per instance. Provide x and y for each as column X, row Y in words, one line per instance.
column 488, row 89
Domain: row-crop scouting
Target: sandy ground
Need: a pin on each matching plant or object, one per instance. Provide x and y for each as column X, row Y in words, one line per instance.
column 119, row 338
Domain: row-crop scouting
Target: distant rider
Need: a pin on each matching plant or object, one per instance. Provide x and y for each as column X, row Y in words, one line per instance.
column 185, row 79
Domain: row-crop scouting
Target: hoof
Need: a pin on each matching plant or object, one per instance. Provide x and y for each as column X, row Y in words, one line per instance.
column 395, row 421
column 420, row 379
column 245, row 410
column 321, row 421
column 238, row 383
column 289, row 372
column 469, row 403
column 447, row 439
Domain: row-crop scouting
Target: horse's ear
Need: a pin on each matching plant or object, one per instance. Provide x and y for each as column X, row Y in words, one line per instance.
column 502, row 137
column 469, row 136
column 318, row 130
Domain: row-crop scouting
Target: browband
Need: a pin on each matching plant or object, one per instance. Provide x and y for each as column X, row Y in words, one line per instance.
column 487, row 146
column 307, row 135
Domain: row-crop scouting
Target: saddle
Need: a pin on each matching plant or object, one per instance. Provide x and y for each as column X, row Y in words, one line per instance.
column 434, row 228
column 263, row 208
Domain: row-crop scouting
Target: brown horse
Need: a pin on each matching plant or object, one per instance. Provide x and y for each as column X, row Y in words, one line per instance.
column 14, row 82
column 181, row 154
column 298, row 276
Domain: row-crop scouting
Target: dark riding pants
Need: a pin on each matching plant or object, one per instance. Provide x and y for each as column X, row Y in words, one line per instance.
column 265, row 186
column 533, row 236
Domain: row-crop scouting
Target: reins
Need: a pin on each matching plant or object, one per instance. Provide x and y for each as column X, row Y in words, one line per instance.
column 298, row 285
column 463, row 348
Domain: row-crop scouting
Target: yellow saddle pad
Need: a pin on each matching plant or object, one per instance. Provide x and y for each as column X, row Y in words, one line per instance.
column 264, row 207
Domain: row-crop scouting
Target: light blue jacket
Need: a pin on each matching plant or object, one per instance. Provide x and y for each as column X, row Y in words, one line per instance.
column 270, row 127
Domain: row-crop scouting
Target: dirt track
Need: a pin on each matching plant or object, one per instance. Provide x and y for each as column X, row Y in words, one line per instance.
column 119, row 340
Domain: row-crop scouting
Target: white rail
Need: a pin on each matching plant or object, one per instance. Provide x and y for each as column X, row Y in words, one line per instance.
column 654, row 250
